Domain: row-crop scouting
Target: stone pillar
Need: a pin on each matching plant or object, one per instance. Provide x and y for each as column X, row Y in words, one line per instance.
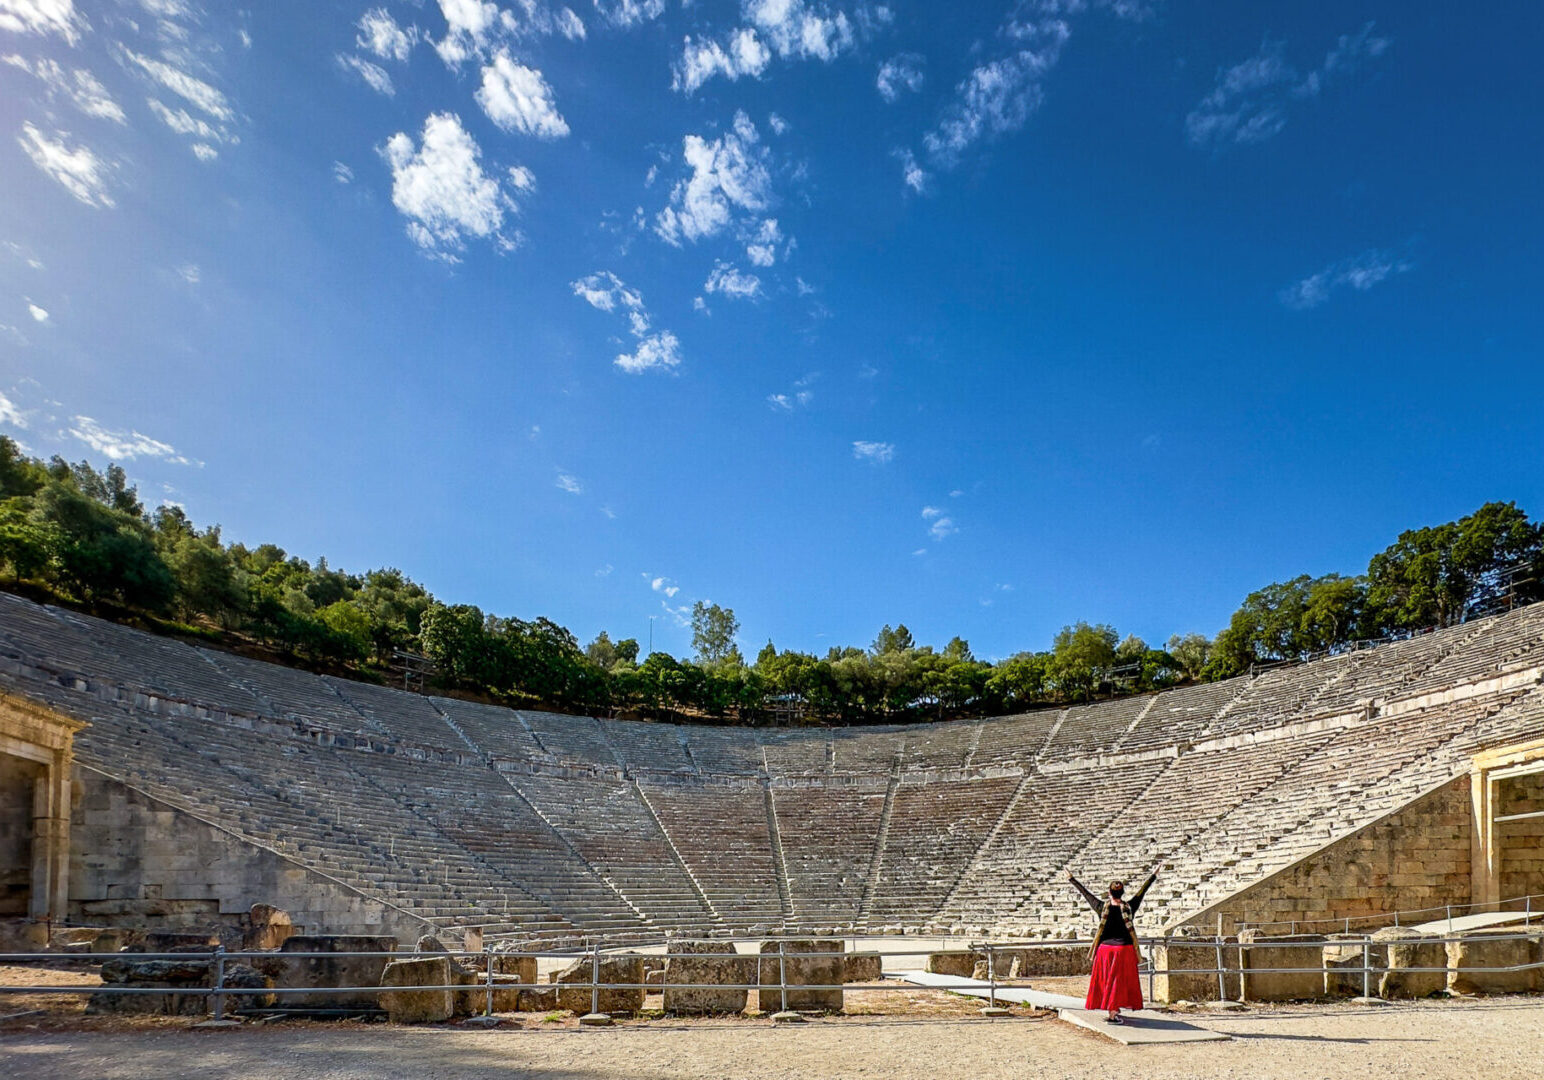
column 37, row 734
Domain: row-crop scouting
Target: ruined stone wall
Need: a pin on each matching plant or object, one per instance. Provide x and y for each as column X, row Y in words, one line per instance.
column 17, row 777
column 1520, row 844
column 137, row 862
column 1418, row 857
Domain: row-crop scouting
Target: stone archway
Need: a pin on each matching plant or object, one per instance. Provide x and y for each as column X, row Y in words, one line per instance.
column 36, row 757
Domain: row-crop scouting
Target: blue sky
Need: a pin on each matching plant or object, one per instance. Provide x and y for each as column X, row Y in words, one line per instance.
column 984, row 318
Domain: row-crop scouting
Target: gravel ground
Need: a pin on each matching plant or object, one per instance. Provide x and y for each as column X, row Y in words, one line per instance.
column 1494, row 1039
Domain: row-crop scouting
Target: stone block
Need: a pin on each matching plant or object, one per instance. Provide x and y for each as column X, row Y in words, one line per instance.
column 823, row 968
column 163, row 941
column 538, row 999
column 1480, row 952
column 306, row 960
column 1343, row 955
column 723, row 966
column 1048, row 961
column 245, row 977
column 961, row 963
column 1190, row 971
column 169, row 975
column 1303, row 952
column 267, row 928
column 615, row 968
column 520, row 967
column 862, row 967
column 418, row 1006
column 1409, row 948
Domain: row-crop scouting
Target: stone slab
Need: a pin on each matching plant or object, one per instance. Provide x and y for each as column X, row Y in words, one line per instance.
column 614, row 968
column 820, row 970
column 724, row 966
column 1141, row 1028
column 418, row 1006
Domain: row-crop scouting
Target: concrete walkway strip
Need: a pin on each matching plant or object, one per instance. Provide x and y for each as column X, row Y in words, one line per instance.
column 1141, row 1028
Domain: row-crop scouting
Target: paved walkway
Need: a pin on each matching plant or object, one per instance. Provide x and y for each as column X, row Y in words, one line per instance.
column 1143, row 1027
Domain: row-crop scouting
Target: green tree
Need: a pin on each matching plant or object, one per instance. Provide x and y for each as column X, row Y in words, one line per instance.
column 1191, row 652
column 892, row 640
column 1433, row 576
column 1081, row 655
column 713, row 632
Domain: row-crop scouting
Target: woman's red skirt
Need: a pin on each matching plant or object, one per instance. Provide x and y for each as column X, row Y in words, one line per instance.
column 1114, row 983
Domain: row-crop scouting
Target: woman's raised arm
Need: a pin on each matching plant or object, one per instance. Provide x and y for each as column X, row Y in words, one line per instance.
column 1093, row 901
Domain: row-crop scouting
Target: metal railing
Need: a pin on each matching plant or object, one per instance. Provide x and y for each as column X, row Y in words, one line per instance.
column 220, row 991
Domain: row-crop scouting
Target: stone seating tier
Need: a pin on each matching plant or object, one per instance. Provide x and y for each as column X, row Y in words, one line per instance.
column 470, row 814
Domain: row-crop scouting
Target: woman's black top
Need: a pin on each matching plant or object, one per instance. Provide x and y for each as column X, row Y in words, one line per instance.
column 1113, row 926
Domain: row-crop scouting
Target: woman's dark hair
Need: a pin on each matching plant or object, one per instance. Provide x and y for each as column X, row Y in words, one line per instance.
column 1117, row 887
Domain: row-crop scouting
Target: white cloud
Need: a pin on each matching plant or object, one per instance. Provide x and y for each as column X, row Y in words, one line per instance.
column 788, row 29
column 664, row 585
column 380, row 34
column 610, row 513
column 11, row 415
column 124, row 445
column 190, row 273
column 681, row 615
column 183, row 122
column 800, row 396
column 605, row 571
column 517, row 98
column 913, row 175
column 205, row 152
column 730, row 282
column 77, row 169
column 762, row 248
column 342, row 173
column 441, row 188
column 570, row 483
column 629, row 13
column 655, row 350
column 899, row 74
column 79, row 87
column 470, row 26
column 197, row 92
column 1251, row 99
column 742, row 54
column 41, row 17
column 374, row 75
column 930, row 512
column 730, row 179
column 942, row 527
column 38, row 314
column 875, row 453
column 780, row 402
column 1360, row 272
column 776, row 123
column 998, row 96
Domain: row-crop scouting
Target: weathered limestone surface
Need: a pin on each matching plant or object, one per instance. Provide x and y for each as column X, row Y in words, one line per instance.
column 521, row 967
column 1343, row 954
column 418, row 1006
column 1409, row 948
column 170, row 975
column 824, row 969
column 137, row 862
column 307, row 960
column 1262, row 952
column 1481, row 950
column 1417, row 858
column 725, row 966
column 267, row 928
column 958, row 963
column 1199, row 958
column 614, row 968
column 862, row 967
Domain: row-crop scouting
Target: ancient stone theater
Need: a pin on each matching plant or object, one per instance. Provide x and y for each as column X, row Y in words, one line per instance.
column 149, row 783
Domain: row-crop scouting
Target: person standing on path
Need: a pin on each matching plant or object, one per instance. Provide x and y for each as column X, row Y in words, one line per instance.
column 1114, row 984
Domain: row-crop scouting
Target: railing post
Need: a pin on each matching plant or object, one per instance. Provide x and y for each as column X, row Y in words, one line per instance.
column 782, row 973
column 1366, row 967
column 219, row 983
column 991, row 974
column 488, row 970
column 595, row 977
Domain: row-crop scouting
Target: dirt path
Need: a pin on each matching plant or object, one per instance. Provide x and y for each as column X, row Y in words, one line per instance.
column 1496, row 1039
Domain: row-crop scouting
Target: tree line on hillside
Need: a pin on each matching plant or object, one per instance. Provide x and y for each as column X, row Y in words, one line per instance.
column 83, row 537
